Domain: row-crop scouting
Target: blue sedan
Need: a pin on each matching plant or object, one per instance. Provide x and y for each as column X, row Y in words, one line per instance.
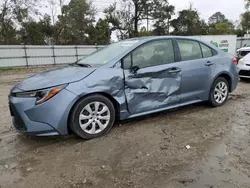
column 126, row 79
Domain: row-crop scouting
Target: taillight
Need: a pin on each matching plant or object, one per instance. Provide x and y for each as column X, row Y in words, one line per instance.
column 234, row 60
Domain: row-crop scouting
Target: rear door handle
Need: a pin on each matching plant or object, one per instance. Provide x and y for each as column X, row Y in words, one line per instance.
column 174, row 70
column 209, row 63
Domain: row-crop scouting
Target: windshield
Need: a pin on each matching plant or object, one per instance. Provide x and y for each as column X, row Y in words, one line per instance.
column 108, row 53
column 243, row 53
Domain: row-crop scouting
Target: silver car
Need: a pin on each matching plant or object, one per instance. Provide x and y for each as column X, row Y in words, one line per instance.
column 126, row 79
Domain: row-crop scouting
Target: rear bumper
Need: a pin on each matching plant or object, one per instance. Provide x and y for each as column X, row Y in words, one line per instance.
column 234, row 76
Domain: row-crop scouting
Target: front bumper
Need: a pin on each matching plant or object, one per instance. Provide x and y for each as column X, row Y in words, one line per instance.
column 46, row 119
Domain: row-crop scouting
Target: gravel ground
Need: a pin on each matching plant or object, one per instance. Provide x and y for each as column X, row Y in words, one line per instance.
column 146, row 152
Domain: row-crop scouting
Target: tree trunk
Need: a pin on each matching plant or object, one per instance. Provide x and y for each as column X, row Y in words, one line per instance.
column 136, row 20
column 168, row 26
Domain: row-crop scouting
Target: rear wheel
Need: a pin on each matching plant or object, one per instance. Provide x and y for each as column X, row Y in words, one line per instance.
column 219, row 92
column 92, row 117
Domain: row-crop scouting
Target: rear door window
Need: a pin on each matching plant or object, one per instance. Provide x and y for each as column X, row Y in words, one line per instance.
column 189, row 49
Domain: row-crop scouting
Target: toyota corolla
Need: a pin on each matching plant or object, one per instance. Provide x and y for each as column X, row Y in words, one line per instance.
column 126, row 79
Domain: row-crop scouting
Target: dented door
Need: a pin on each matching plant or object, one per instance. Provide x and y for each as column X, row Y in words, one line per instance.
column 152, row 87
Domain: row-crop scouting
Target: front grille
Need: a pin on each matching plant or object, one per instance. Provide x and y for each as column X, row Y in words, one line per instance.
column 244, row 73
column 19, row 124
column 11, row 111
column 17, row 120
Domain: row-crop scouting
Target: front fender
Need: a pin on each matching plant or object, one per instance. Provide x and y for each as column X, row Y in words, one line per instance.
column 103, row 80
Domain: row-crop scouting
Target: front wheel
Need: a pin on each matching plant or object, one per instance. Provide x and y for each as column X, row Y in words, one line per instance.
column 219, row 92
column 92, row 117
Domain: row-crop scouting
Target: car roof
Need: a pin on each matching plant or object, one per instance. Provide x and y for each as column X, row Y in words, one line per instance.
column 244, row 49
column 151, row 38
column 148, row 38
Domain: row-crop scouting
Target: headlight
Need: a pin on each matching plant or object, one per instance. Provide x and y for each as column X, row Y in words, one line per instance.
column 41, row 95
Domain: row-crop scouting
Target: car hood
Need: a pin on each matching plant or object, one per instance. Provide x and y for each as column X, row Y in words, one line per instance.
column 55, row 77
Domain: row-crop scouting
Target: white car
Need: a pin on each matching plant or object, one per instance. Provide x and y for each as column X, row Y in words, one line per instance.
column 243, row 67
column 242, row 52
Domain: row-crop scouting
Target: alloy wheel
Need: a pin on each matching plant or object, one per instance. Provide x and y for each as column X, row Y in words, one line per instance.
column 94, row 117
column 220, row 92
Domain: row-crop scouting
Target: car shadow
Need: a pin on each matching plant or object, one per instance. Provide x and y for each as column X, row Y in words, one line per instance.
column 245, row 80
column 72, row 139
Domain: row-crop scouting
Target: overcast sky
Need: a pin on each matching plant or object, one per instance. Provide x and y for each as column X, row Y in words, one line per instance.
column 231, row 8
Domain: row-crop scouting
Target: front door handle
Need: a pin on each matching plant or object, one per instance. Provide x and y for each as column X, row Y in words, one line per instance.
column 174, row 70
column 209, row 63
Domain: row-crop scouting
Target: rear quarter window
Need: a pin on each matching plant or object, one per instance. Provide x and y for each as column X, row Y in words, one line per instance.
column 207, row 51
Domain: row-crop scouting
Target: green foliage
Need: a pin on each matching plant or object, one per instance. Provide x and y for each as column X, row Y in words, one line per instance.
column 239, row 32
column 127, row 20
column 37, row 33
column 220, row 25
column 247, row 4
column 189, row 23
column 8, row 69
column 162, row 14
column 121, row 20
column 12, row 11
column 143, row 32
column 75, row 23
column 100, row 34
column 222, row 28
column 7, row 32
column 245, row 21
column 217, row 17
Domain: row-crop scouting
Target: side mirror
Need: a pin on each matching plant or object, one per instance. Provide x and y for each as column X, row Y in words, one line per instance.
column 134, row 69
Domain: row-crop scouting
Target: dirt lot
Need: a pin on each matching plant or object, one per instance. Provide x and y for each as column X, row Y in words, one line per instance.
column 149, row 152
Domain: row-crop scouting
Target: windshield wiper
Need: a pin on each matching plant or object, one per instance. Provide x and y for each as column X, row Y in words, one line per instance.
column 80, row 64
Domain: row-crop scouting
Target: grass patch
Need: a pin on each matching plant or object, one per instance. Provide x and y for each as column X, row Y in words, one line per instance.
column 7, row 69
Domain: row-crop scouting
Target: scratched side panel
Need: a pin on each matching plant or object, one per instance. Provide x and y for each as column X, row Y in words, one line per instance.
column 107, row 80
column 151, row 89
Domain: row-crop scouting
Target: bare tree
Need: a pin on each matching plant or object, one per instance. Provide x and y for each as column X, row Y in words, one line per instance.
column 55, row 7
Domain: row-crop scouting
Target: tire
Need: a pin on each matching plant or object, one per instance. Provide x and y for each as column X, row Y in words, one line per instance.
column 88, row 123
column 214, row 96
